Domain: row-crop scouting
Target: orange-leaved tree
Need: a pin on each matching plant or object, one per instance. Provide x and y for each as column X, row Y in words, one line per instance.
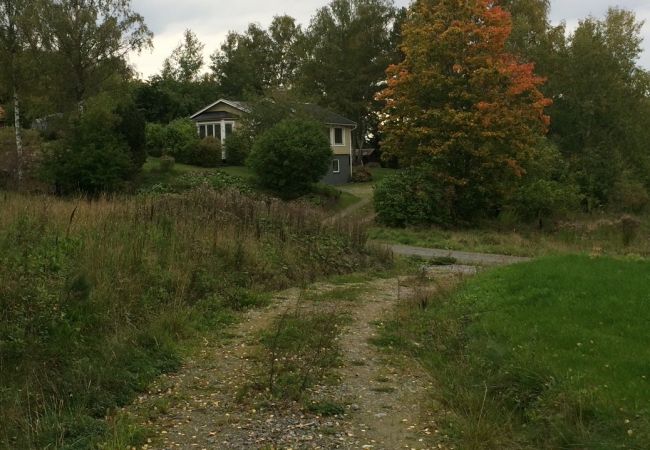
column 460, row 105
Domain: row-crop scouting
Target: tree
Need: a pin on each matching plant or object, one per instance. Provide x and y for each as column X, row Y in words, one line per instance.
column 348, row 46
column 17, row 29
column 93, row 156
column 602, row 106
column 461, row 104
column 186, row 61
column 237, row 65
column 89, row 41
column 290, row 157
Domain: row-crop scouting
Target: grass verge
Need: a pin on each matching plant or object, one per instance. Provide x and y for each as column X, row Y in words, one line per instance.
column 604, row 235
column 545, row 355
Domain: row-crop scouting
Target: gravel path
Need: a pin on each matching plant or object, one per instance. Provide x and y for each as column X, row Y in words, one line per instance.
column 479, row 259
column 205, row 404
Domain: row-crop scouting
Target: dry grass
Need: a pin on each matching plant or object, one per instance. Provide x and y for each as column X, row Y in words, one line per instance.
column 95, row 296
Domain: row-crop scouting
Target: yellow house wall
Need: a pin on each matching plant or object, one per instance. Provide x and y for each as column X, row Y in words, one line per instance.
column 346, row 148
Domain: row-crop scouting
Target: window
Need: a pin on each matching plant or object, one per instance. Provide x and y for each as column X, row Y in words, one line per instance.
column 218, row 130
column 336, row 166
column 338, row 136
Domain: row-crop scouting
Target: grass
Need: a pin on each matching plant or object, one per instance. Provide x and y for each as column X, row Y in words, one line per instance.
column 549, row 354
column 238, row 171
column 593, row 234
column 345, row 201
column 97, row 298
column 300, row 348
column 184, row 177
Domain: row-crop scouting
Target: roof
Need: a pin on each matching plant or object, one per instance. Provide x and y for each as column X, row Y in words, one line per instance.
column 310, row 109
column 242, row 106
column 325, row 115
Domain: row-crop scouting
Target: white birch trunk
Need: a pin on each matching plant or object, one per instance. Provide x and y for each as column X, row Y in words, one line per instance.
column 19, row 138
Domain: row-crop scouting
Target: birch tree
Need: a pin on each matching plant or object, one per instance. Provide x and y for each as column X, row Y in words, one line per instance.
column 90, row 41
column 15, row 29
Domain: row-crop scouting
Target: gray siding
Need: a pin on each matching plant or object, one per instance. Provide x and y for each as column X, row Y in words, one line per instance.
column 343, row 176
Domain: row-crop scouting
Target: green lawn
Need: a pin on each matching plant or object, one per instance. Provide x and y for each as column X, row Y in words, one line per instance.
column 239, row 171
column 549, row 354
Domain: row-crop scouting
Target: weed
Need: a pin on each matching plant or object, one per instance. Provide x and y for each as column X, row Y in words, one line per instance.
column 326, row 408
column 301, row 347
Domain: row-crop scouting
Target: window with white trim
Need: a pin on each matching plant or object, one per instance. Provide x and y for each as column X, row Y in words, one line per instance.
column 338, row 137
column 218, row 130
column 336, row 166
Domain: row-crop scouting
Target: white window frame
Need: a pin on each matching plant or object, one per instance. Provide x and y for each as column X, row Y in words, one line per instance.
column 222, row 126
column 337, row 163
column 333, row 137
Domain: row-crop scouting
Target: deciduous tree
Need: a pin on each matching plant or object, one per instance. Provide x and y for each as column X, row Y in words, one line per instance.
column 89, row 41
column 185, row 62
column 348, row 46
column 462, row 104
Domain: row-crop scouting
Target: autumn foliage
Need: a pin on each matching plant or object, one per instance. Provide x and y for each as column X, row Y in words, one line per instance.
column 461, row 105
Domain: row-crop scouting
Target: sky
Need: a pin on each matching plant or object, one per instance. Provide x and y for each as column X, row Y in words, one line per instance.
column 211, row 20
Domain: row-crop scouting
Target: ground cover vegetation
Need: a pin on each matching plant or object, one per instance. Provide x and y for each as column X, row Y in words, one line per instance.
column 98, row 297
column 524, row 363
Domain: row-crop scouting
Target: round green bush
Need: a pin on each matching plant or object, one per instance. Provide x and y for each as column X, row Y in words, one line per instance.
column 412, row 197
column 155, row 139
column 207, row 153
column 290, row 157
column 238, row 147
column 181, row 141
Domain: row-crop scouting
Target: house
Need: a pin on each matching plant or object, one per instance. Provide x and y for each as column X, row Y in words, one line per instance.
column 3, row 117
column 220, row 118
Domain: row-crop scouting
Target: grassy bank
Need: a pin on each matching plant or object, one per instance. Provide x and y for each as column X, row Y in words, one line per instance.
column 550, row 354
column 588, row 234
column 96, row 298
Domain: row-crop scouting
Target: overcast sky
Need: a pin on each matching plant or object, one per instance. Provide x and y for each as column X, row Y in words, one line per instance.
column 211, row 20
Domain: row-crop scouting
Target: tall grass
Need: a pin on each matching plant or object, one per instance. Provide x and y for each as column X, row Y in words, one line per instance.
column 95, row 296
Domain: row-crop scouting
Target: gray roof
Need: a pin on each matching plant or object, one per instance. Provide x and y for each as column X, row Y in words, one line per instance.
column 309, row 109
column 325, row 115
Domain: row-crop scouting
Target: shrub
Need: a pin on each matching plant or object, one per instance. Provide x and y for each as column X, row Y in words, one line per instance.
column 238, row 147
column 411, row 197
column 629, row 196
column 167, row 163
column 207, row 153
column 93, row 156
column 290, row 157
column 629, row 226
column 32, row 150
column 361, row 174
column 543, row 198
column 155, row 139
column 132, row 127
column 181, row 140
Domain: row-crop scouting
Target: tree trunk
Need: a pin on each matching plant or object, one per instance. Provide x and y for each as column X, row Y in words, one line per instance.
column 19, row 138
